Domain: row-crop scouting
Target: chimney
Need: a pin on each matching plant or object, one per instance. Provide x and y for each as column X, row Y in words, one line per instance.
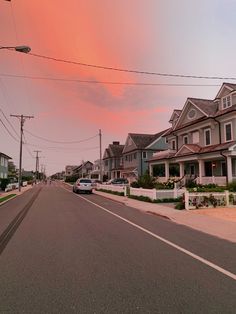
column 116, row 143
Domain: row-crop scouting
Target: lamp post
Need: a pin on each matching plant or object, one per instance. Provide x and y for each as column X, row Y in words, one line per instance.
column 24, row 49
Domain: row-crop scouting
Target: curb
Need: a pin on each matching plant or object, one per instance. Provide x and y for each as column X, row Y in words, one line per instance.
column 8, row 200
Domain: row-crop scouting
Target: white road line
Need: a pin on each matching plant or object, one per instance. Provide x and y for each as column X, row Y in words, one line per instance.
column 199, row 258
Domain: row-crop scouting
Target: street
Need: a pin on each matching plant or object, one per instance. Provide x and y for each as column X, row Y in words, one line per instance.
column 76, row 253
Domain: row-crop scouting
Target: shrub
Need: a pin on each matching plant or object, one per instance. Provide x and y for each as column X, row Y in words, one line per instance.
column 149, row 200
column 232, row 186
column 181, row 204
column 71, row 179
column 146, row 181
column 4, row 183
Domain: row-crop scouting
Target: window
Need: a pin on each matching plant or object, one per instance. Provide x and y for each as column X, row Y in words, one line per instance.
column 207, row 136
column 228, row 132
column 226, row 102
column 192, row 114
column 144, row 155
column 195, row 137
column 173, row 145
column 185, row 139
column 135, row 155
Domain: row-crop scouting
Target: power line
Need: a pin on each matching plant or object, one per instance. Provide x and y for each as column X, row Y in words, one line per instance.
column 105, row 82
column 9, row 122
column 9, row 131
column 61, row 142
column 129, row 70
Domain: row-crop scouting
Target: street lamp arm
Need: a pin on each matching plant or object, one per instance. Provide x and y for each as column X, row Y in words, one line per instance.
column 24, row 49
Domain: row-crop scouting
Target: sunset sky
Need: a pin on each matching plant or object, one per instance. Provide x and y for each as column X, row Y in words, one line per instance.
column 191, row 37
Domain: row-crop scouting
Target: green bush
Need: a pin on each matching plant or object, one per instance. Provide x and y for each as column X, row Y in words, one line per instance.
column 232, row 186
column 4, row 183
column 145, row 181
column 181, row 204
column 71, row 179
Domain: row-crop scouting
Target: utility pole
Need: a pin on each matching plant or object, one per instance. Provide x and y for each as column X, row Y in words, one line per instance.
column 22, row 121
column 100, row 149
column 37, row 164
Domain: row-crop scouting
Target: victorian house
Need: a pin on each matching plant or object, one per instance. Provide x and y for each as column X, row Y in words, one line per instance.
column 137, row 150
column 201, row 141
column 113, row 161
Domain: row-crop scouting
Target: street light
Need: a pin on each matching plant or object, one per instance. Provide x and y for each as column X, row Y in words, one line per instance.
column 24, row 49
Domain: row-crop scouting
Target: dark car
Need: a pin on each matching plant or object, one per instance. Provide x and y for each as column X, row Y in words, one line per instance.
column 119, row 181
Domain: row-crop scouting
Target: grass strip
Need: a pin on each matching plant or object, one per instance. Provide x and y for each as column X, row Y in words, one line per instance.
column 2, row 199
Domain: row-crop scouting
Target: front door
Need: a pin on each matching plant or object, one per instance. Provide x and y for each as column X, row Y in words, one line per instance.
column 208, row 168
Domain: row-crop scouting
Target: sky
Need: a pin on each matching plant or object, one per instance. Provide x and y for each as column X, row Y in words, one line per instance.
column 190, row 37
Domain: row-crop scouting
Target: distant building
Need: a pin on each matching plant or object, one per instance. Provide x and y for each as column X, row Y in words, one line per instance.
column 112, row 160
column 69, row 170
column 4, row 165
column 83, row 171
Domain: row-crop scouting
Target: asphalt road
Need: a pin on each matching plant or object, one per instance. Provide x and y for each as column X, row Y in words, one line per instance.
column 66, row 253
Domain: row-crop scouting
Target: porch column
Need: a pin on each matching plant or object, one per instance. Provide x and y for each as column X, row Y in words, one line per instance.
column 151, row 170
column 181, row 169
column 200, row 166
column 167, row 173
column 229, row 169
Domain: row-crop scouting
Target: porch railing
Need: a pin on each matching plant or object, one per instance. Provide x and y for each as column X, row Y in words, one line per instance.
column 212, row 180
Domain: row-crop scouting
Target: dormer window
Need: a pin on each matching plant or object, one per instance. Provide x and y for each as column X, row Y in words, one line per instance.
column 226, row 102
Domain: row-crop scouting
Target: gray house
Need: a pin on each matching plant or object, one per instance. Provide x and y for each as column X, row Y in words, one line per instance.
column 201, row 141
column 83, row 171
column 4, row 165
column 112, row 160
column 137, row 150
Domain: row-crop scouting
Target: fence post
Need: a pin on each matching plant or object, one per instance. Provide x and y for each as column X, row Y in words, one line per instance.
column 125, row 190
column 175, row 190
column 154, row 194
column 186, row 199
column 227, row 197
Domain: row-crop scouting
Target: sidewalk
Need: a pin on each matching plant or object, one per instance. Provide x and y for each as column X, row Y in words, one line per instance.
column 220, row 222
column 16, row 191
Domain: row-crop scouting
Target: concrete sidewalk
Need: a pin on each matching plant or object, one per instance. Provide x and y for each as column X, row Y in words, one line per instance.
column 201, row 220
column 16, row 191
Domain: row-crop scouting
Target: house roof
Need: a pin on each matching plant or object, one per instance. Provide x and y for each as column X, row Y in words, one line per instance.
column 209, row 107
column 193, row 149
column 143, row 140
column 4, row 155
column 116, row 150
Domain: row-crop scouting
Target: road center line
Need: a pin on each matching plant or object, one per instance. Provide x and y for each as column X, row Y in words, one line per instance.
column 199, row 258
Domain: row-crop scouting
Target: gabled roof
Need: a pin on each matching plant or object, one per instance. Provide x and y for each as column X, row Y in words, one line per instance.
column 116, row 150
column 187, row 149
column 207, row 106
column 142, row 140
column 175, row 112
column 4, row 155
column 231, row 87
column 82, row 165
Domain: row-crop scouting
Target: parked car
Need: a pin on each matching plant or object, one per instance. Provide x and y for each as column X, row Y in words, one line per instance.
column 83, row 185
column 95, row 182
column 118, row 181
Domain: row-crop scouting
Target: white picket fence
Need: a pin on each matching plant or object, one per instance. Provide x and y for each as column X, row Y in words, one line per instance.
column 157, row 194
column 194, row 200
column 151, row 193
column 110, row 187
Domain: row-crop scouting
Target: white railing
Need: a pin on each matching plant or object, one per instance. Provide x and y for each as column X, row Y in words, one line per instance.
column 151, row 193
column 110, row 187
column 157, row 194
column 212, row 180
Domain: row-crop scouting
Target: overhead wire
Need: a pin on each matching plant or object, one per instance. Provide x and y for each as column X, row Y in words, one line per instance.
column 105, row 82
column 130, row 70
column 9, row 122
column 9, row 131
column 61, row 142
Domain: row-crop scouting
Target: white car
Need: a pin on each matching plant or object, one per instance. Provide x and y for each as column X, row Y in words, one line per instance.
column 83, row 185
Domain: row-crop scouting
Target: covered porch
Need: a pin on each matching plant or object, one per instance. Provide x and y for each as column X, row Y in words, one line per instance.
column 215, row 169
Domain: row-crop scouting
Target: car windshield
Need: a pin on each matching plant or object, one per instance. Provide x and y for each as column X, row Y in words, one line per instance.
column 85, row 181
